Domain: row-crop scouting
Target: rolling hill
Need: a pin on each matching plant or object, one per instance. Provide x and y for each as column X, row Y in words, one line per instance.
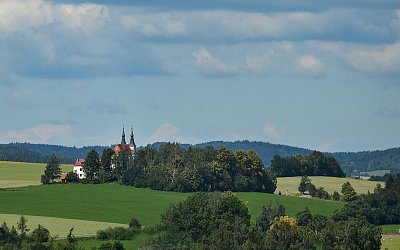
column 388, row 159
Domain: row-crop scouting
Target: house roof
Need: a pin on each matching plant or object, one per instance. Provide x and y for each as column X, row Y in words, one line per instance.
column 63, row 176
column 79, row 162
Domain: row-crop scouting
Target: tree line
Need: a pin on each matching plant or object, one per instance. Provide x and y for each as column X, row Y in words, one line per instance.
column 222, row 221
column 315, row 164
column 174, row 168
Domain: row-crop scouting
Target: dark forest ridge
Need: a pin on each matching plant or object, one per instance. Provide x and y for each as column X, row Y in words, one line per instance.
column 363, row 161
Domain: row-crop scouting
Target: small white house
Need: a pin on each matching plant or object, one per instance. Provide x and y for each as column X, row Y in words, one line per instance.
column 78, row 168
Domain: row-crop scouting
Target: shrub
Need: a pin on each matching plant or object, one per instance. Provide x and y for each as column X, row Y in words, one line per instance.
column 134, row 223
column 116, row 233
column 40, row 234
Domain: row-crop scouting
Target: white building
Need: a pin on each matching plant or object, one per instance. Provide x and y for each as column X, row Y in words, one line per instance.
column 78, row 168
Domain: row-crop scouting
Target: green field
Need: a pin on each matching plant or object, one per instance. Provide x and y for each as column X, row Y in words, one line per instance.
column 21, row 174
column 330, row 184
column 117, row 204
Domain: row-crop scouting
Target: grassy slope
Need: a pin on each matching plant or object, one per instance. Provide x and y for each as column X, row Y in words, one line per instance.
column 115, row 203
column 20, row 174
column 59, row 226
column 330, row 184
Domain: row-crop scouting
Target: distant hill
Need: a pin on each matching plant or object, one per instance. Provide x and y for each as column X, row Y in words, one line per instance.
column 363, row 161
column 28, row 152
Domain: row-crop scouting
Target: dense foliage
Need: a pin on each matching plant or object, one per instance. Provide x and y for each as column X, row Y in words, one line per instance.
column 195, row 169
column 222, row 221
column 380, row 207
column 388, row 159
column 362, row 161
column 315, row 164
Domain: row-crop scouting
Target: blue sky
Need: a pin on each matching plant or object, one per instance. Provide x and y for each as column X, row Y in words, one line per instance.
column 314, row 74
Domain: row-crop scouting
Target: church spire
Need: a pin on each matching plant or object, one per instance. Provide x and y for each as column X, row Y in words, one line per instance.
column 132, row 144
column 123, row 136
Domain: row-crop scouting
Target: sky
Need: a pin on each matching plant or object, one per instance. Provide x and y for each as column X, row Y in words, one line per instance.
column 322, row 75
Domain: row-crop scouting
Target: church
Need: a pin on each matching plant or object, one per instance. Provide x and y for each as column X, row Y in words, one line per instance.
column 130, row 148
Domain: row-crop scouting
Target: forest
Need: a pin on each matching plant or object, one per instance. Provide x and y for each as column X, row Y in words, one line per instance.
column 388, row 159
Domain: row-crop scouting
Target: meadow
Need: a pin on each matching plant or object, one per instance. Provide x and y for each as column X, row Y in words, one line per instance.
column 330, row 184
column 20, row 174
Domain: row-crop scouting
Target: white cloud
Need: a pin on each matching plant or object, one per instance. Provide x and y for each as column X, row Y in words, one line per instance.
column 271, row 130
column 209, row 64
column 375, row 59
column 169, row 133
column 170, row 24
column 42, row 133
column 310, row 65
column 22, row 15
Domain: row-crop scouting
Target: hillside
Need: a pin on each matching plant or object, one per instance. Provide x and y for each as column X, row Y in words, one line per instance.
column 349, row 161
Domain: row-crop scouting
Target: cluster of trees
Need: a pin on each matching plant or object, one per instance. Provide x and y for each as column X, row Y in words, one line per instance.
column 222, row 221
column 380, row 207
column 315, row 164
column 174, row 168
column 347, row 191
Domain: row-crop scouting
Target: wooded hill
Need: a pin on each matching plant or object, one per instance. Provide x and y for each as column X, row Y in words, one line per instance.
column 349, row 161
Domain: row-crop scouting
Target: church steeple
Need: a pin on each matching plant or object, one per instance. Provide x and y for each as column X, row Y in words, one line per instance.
column 123, row 136
column 132, row 142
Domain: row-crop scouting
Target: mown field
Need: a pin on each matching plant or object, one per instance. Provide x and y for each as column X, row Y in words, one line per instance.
column 117, row 204
column 330, row 184
column 20, row 174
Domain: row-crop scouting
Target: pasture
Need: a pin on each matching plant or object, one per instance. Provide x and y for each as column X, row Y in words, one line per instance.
column 330, row 184
column 118, row 204
column 21, row 174
column 60, row 226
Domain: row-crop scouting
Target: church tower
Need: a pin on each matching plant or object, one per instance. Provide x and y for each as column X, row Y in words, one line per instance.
column 123, row 142
column 132, row 144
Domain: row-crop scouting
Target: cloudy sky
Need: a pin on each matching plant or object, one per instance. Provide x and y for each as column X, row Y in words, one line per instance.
column 306, row 73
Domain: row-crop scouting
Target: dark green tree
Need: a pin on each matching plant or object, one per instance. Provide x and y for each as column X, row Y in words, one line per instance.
column 304, row 217
column 336, row 196
column 40, row 234
column 348, row 192
column 22, row 227
column 268, row 214
column 304, row 183
column 72, row 177
column 92, row 165
column 52, row 171
column 105, row 173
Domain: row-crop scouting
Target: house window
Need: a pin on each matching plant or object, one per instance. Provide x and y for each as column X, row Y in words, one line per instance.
column 81, row 169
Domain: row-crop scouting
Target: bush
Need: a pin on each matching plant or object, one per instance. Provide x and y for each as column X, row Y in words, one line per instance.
column 40, row 234
column 116, row 233
column 135, row 224
column 108, row 246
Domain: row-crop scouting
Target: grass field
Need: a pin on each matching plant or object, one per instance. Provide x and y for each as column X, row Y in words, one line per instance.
column 59, row 226
column 390, row 242
column 118, row 204
column 330, row 184
column 21, row 174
